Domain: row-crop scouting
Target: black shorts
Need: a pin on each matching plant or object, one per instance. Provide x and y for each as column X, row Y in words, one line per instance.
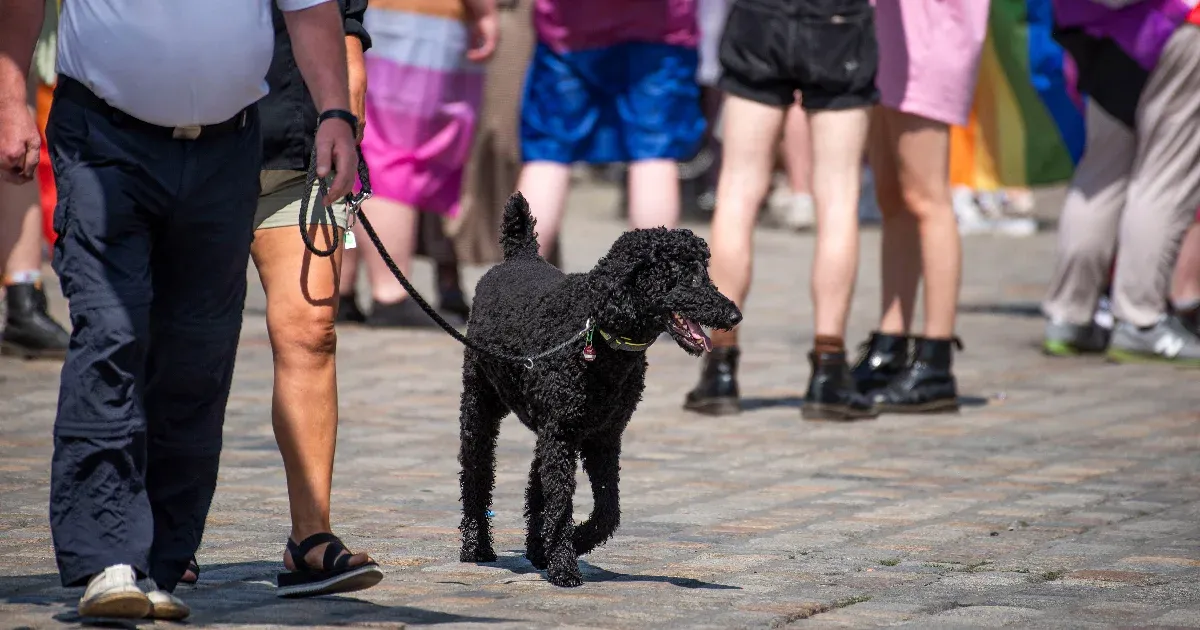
column 826, row 49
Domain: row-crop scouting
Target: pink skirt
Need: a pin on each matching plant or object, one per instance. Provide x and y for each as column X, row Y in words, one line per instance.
column 423, row 99
column 929, row 56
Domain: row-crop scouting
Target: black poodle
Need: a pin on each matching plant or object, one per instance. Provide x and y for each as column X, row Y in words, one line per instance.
column 580, row 400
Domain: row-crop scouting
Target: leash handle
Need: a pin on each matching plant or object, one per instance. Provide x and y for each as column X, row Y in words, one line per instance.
column 354, row 211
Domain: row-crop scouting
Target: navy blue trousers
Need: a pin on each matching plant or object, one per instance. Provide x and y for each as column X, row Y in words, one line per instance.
column 154, row 239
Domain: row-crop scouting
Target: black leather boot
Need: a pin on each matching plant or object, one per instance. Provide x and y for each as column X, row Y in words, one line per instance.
column 883, row 357
column 29, row 331
column 927, row 385
column 717, row 392
column 832, row 394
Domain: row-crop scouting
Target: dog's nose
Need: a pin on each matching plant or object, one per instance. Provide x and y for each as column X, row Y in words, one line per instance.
column 735, row 318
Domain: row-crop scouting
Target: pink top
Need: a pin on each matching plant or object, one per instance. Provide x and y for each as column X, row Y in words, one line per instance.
column 573, row 25
column 929, row 55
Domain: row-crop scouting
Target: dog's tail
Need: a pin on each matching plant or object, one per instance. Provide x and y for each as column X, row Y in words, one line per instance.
column 517, row 238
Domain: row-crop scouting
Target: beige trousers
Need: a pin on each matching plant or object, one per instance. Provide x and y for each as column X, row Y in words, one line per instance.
column 1140, row 188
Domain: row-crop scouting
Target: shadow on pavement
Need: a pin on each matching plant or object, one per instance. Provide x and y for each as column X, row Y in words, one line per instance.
column 1032, row 310
column 751, row 403
column 235, row 593
column 594, row 574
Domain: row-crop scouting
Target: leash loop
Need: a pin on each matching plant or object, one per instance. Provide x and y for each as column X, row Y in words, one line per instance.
column 354, row 211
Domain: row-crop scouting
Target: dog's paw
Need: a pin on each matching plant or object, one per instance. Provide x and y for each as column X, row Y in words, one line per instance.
column 537, row 559
column 477, row 555
column 566, row 577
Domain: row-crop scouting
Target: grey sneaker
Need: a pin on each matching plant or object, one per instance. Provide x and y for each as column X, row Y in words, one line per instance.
column 1168, row 341
column 1068, row 340
column 113, row 593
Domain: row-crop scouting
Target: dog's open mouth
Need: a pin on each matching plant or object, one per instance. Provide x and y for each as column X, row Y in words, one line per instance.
column 689, row 333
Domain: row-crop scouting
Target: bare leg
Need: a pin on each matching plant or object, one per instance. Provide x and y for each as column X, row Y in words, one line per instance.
column 901, row 270
column 653, row 194
column 396, row 224
column 545, row 185
column 750, row 132
column 838, row 140
column 797, row 150
column 20, row 229
column 302, row 298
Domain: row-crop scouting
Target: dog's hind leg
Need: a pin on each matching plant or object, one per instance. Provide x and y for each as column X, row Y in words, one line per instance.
column 479, row 424
column 534, row 504
column 601, row 462
column 557, row 471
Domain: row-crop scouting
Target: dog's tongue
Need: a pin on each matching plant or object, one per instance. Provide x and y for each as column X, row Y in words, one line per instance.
column 698, row 334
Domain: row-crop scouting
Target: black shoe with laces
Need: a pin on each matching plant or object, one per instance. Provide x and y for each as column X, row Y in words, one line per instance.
column 832, row 394
column 882, row 357
column 29, row 331
column 717, row 392
column 927, row 384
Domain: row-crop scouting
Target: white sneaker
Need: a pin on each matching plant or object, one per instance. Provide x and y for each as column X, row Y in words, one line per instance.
column 163, row 605
column 794, row 211
column 971, row 217
column 114, row 593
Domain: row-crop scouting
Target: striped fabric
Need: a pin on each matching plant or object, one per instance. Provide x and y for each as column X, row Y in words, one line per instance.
column 422, row 102
column 1026, row 125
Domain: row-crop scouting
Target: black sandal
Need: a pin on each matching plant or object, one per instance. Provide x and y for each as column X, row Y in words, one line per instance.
column 195, row 569
column 335, row 574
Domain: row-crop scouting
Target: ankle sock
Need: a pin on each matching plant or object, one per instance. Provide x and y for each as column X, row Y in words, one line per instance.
column 826, row 344
column 29, row 276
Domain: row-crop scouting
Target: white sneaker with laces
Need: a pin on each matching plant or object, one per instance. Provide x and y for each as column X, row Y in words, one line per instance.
column 163, row 605
column 113, row 593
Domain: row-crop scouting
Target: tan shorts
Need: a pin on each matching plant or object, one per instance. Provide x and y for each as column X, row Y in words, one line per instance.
column 279, row 202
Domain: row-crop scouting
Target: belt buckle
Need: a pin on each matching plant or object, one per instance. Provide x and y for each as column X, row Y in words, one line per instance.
column 189, row 132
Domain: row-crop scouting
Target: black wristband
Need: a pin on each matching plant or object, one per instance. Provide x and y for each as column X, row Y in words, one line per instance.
column 340, row 114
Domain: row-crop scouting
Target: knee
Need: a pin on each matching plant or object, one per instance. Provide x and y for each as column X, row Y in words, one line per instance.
column 1085, row 246
column 303, row 335
column 925, row 203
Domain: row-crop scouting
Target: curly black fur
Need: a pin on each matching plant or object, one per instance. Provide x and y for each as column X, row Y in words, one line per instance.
column 577, row 408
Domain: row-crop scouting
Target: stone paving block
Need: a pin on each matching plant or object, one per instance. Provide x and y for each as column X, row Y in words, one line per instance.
column 755, row 521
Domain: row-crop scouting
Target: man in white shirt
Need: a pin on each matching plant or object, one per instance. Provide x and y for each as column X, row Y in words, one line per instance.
column 154, row 139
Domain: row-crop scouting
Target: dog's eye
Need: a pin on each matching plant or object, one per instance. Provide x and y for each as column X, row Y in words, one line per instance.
column 697, row 282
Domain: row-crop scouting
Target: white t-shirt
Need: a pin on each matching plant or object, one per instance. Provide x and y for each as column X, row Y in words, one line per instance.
column 171, row 62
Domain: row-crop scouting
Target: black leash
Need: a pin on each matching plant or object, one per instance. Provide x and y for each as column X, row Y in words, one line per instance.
column 354, row 204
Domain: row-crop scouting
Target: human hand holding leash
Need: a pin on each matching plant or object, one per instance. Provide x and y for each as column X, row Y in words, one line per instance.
column 337, row 150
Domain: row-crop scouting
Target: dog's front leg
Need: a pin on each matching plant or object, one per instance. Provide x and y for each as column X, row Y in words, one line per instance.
column 557, row 471
column 601, row 462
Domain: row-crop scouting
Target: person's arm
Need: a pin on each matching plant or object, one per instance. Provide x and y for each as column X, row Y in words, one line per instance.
column 485, row 30
column 19, row 140
column 357, row 42
column 356, row 67
column 319, row 47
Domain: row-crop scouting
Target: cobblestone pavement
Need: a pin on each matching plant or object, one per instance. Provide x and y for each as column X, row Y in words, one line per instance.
column 1065, row 494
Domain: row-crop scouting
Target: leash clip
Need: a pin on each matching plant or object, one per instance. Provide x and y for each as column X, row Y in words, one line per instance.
column 353, row 203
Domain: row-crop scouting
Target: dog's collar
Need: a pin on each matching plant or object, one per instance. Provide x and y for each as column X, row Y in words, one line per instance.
column 625, row 343
column 616, row 343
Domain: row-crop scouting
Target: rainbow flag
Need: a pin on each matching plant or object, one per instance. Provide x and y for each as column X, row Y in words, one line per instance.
column 1026, row 126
